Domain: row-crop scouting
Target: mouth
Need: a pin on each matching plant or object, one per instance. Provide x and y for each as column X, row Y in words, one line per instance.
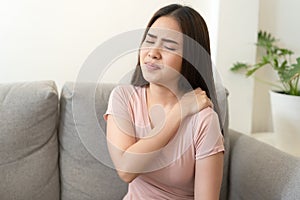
column 152, row 66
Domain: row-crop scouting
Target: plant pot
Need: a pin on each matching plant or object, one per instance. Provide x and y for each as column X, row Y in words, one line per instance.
column 285, row 112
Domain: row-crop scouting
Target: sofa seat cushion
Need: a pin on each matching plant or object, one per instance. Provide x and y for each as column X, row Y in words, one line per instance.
column 28, row 141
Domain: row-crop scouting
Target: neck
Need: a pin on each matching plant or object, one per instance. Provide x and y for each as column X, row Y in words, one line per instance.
column 158, row 94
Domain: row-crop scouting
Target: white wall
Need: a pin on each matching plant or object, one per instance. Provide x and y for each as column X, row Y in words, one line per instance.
column 236, row 35
column 210, row 12
column 51, row 39
column 279, row 17
column 233, row 32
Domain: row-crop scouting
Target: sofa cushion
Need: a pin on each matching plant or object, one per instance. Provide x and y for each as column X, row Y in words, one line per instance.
column 28, row 141
column 259, row 171
column 86, row 169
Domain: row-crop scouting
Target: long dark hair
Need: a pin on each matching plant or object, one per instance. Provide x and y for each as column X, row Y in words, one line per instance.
column 196, row 64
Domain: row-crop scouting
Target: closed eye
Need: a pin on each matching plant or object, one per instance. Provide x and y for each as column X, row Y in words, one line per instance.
column 170, row 43
column 169, row 48
column 149, row 42
column 150, row 39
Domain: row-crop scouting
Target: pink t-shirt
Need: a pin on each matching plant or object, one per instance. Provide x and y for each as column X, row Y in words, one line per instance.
column 172, row 174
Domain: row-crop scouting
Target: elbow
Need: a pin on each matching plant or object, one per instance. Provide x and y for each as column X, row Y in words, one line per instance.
column 127, row 177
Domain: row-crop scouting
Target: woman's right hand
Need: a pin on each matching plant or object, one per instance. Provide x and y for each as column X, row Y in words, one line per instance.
column 193, row 102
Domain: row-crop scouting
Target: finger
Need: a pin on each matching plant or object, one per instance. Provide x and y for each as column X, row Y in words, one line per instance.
column 206, row 102
column 203, row 92
column 211, row 104
column 198, row 90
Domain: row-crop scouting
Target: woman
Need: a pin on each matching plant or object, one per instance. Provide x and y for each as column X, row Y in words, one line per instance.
column 163, row 135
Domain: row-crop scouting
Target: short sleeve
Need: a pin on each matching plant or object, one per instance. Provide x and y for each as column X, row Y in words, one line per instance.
column 119, row 104
column 208, row 139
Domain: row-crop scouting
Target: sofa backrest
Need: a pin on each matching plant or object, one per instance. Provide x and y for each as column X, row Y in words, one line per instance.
column 28, row 141
column 86, row 169
column 85, row 166
column 29, row 152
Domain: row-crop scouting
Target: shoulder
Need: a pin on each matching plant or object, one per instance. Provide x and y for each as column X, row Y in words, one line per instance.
column 127, row 91
column 205, row 119
column 127, row 95
column 205, row 115
column 124, row 88
column 123, row 100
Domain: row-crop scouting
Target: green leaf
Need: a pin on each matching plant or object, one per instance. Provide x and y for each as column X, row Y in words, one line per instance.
column 278, row 59
column 283, row 52
column 250, row 72
column 296, row 68
column 265, row 39
column 239, row 66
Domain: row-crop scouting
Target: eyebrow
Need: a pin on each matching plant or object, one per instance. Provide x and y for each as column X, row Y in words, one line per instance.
column 163, row 39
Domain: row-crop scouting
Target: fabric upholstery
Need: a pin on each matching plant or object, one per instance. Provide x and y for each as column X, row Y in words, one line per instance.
column 29, row 150
column 28, row 141
column 224, row 186
column 83, row 176
column 259, row 171
column 77, row 184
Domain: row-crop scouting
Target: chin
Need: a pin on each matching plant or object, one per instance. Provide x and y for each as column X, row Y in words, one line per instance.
column 150, row 77
column 152, row 80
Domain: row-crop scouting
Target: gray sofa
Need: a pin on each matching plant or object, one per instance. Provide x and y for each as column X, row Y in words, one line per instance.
column 52, row 146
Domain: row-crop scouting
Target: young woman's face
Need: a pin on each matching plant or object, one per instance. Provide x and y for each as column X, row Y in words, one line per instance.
column 161, row 52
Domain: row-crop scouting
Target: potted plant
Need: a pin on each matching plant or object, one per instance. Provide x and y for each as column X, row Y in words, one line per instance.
column 288, row 90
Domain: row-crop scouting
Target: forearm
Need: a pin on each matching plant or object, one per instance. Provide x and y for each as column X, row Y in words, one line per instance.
column 133, row 156
column 160, row 135
column 136, row 158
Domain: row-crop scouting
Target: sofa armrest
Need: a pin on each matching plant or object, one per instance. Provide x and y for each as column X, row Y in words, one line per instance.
column 260, row 171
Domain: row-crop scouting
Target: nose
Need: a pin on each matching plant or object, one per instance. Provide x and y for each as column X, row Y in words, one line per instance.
column 154, row 53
